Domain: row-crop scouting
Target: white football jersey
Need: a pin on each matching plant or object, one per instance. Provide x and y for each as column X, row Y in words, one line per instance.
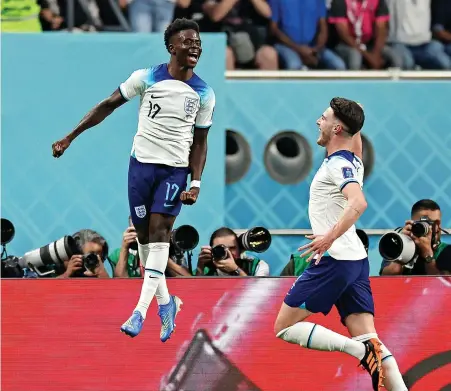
column 327, row 202
column 169, row 110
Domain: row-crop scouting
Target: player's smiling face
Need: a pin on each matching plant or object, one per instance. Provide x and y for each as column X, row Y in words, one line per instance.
column 325, row 124
column 188, row 48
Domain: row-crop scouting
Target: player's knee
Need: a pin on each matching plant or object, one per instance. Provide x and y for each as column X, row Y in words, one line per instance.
column 278, row 327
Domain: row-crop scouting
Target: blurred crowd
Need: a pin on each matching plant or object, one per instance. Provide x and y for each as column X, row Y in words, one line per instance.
column 276, row 34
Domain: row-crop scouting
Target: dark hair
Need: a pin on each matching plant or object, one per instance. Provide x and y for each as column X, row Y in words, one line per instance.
column 221, row 232
column 424, row 205
column 348, row 112
column 179, row 25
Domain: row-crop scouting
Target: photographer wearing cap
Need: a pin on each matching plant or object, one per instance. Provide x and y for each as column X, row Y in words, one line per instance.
column 89, row 263
column 431, row 256
column 226, row 255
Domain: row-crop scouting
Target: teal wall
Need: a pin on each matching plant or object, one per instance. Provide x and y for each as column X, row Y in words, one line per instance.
column 49, row 81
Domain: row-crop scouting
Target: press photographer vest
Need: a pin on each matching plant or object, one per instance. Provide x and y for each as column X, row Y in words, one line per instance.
column 249, row 267
column 20, row 16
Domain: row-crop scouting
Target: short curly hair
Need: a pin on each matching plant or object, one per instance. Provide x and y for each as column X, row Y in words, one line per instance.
column 177, row 26
column 349, row 112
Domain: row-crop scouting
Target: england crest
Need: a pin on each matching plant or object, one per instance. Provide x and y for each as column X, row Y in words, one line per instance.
column 140, row 211
column 191, row 105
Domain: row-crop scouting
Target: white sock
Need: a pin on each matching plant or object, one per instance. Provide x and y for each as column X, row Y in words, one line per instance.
column 155, row 265
column 162, row 293
column 393, row 379
column 314, row 336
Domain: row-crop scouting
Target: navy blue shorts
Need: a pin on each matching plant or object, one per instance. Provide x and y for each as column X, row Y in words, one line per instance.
column 154, row 188
column 345, row 284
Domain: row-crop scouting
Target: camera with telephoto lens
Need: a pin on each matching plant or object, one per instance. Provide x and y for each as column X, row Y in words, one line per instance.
column 46, row 260
column 257, row 240
column 396, row 246
column 184, row 238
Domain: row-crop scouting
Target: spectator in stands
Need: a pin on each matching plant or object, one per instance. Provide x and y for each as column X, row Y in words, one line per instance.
column 150, row 16
column 434, row 256
column 361, row 30
column 89, row 242
column 301, row 32
column 53, row 15
column 297, row 264
column 125, row 260
column 235, row 262
column 194, row 9
column 244, row 21
column 441, row 23
column 410, row 35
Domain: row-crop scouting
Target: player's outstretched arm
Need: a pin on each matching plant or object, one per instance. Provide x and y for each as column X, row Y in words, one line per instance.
column 321, row 243
column 355, row 208
column 94, row 117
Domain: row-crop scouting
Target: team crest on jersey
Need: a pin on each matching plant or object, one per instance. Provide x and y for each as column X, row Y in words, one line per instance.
column 140, row 211
column 347, row 172
column 191, row 105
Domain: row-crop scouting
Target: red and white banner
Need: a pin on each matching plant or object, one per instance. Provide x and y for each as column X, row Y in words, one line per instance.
column 63, row 335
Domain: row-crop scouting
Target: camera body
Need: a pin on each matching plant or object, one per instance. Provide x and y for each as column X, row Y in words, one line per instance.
column 90, row 261
column 396, row 246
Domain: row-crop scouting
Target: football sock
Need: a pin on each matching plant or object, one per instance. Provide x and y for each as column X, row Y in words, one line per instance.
column 155, row 265
column 314, row 336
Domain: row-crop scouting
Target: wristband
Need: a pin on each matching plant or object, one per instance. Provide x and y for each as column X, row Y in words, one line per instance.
column 195, row 184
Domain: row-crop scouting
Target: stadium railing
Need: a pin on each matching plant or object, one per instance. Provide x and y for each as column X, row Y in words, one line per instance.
column 388, row 74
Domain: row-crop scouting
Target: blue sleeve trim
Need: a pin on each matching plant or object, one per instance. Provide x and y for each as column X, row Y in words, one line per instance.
column 386, row 357
column 202, row 127
column 120, row 92
column 343, row 185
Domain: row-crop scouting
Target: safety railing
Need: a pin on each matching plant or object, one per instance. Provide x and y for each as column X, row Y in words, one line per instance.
column 388, row 74
column 298, row 232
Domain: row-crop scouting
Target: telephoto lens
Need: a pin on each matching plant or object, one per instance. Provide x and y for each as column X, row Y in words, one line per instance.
column 257, row 239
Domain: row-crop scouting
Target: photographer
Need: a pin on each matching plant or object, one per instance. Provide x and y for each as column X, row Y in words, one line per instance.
column 94, row 249
column 125, row 260
column 126, row 263
column 434, row 257
column 226, row 257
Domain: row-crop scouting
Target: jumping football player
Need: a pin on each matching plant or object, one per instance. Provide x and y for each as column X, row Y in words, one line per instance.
column 339, row 274
column 176, row 109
